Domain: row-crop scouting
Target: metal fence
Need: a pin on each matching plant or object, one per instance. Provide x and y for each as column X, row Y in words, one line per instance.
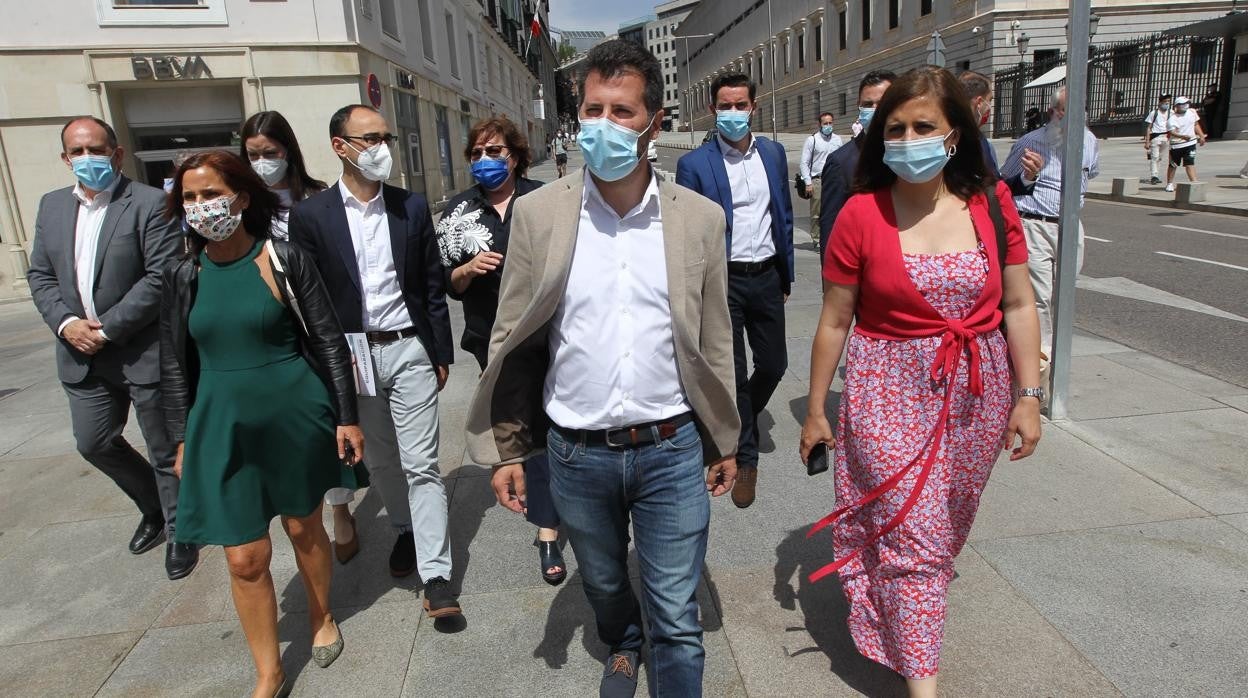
column 1124, row 81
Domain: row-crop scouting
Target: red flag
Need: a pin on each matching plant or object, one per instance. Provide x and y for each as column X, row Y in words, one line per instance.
column 535, row 27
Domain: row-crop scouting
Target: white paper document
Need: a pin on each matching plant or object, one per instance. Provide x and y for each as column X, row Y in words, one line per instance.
column 362, row 362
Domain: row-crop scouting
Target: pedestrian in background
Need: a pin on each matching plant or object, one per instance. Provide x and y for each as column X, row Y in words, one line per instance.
column 95, row 266
column 260, row 431
column 1185, row 135
column 748, row 176
column 561, row 155
column 1157, row 139
column 620, row 369
column 815, row 152
column 979, row 92
column 376, row 250
column 913, row 264
column 472, row 238
column 1040, row 211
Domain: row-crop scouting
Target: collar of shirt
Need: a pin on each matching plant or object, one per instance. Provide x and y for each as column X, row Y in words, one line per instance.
column 348, row 199
column 726, row 148
column 101, row 197
column 593, row 197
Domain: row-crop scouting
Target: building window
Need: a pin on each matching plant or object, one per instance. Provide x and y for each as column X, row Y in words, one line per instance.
column 801, row 109
column 426, row 29
column 866, row 20
column 760, row 70
column 801, row 50
column 819, row 42
column 450, row 44
column 148, row 12
column 788, row 51
column 842, row 29
column 1204, row 56
column 816, row 105
column 784, row 114
column 844, row 100
column 925, row 7
column 894, row 13
column 472, row 61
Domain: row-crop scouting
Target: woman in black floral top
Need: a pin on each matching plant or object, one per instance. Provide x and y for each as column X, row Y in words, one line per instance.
column 472, row 238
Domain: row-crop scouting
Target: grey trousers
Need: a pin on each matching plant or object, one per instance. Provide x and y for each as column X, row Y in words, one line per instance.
column 401, row 450
column 98, row 408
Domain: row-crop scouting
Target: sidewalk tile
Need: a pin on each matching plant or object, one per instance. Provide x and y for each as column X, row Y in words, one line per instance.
column 1084, row 344
column 1062, row 488
column 1174, row 374
column 55, row 489
column 1197, row 455
column 74, row 667
column 11, row 539
column 1159, row 608
column 1239, row 402
column 1239, row 521
column 1101, row 388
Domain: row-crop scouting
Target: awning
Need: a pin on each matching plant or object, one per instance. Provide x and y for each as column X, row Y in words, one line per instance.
column 1051, row 77
column 1228, row 25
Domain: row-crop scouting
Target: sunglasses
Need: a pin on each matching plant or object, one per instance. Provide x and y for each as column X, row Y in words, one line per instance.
column 491, row 150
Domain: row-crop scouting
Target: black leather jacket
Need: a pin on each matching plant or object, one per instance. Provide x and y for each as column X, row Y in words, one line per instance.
column 323, row 346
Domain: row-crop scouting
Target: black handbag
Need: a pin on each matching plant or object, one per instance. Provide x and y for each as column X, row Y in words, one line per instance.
column 800, row 184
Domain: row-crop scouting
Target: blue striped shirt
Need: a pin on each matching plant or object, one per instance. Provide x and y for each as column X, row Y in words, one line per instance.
column 1046, row 198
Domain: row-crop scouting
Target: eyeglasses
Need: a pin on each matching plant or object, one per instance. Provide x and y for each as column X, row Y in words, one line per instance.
column 373, row 139
column 491, row 150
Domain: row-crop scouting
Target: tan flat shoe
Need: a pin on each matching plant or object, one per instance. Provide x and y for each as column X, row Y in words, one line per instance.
column 345, row 551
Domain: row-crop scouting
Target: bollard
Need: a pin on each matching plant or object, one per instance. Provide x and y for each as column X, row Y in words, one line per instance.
column 1189, row 192
column 1124, row 186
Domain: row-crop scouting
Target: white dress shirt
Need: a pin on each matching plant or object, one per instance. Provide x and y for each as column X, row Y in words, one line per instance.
column 613, row 353
column 384, row 309
column 815, row 152
column 751, row 203
column 90, row 220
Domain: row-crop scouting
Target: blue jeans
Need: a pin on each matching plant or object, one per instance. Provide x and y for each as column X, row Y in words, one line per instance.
column 662, row 488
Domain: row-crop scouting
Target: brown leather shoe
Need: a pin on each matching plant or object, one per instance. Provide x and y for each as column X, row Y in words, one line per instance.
column 345, row 551
column 743, row 491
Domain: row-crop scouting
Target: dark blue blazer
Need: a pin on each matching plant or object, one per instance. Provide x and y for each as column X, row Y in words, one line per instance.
column 318, row 224
column 836, row 185
column 703, row 171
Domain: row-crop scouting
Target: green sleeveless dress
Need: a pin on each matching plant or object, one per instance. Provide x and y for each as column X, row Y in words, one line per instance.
column 260, row 436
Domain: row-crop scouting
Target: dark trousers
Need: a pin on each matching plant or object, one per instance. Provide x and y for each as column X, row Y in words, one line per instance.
column 99, row 407
column 540, row 508
column 756, row 304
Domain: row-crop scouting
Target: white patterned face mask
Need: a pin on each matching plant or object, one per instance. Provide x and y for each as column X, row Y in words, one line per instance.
column 212, row 219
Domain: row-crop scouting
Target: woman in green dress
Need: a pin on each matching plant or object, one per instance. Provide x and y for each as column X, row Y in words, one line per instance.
column 259, row 392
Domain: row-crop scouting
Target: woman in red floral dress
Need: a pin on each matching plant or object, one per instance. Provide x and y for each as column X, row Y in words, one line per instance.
column 928, row 401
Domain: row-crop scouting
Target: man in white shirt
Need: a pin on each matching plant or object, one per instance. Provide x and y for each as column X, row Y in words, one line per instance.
column 375, row 248
column 1157, row 137
column 99, row 250
column 815, row 152
column 1185, row 135
column 611, row 352
column 748, row 176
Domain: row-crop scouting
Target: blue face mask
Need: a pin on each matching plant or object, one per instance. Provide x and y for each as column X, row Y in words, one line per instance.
column 95, row 172
column 919, row 160
column 732, row 124
column 610, row 149
column 490, row 173
column 864, row 116
column 826, row 130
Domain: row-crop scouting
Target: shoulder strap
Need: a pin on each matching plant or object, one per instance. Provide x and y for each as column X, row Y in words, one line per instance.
column 279, row 275
column 998, row 224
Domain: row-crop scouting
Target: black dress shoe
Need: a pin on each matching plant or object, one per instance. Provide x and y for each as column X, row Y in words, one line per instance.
column 180, row 559
column 439, row 601
column 403, row 557
column 147, row 536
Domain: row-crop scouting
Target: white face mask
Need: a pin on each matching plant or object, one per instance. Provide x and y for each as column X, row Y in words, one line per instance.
column 374, row 162
column 271, row 170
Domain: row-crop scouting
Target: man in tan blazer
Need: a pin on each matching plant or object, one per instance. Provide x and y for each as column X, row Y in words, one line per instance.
column 612, row 350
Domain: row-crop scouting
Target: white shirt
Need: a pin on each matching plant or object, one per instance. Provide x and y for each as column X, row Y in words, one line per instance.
column 613, row 353
column 1185, row 125
column 815, row 152
column 751, row 203
column 91, row 214
column 1158, row 122
column 384, row 309
column 281, row 222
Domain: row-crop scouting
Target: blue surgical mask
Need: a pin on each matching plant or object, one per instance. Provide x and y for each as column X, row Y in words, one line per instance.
column 919, row 160
column 864, row 116
column 489, row 172
column 733, row 124
column 1164, row 107
column 826, row 130
column 95, row 172
column 610, row 149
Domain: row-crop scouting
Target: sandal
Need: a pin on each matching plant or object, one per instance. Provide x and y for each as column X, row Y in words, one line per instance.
column 551, row 557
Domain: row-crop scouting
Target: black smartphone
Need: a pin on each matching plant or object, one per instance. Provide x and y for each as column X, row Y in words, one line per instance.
column 348, row 454
column 817, row 462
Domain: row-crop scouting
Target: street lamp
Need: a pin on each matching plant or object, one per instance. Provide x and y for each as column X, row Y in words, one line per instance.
column 1023, row 41
column 689, row 80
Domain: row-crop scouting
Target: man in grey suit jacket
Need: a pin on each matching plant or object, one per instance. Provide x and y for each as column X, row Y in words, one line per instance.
column 612, row 350
column 99, row 250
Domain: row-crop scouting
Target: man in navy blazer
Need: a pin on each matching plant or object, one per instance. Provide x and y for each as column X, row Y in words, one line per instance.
column 375, row 248
column 748, row 176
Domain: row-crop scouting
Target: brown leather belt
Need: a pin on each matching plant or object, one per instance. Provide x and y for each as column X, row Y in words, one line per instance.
column 627, row 437
column 390, row 336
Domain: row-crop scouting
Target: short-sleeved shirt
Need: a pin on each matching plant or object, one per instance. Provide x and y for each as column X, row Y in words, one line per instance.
column 1185, row 125
column 865, row 251
column 560, row 148
column 1158, row 122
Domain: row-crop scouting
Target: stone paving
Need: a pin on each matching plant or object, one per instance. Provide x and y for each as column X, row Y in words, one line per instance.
column 1113, row 562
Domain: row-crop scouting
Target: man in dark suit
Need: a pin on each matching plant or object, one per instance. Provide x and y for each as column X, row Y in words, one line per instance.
column 838, row 170
column 979, row 92
column 759, row 240
column 99, row 250
column 375, row 248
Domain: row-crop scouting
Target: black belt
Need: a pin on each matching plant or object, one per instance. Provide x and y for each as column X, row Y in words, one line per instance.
column 390, row 336
column 1038, row 217
column 752, row 267
column 627, row 437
